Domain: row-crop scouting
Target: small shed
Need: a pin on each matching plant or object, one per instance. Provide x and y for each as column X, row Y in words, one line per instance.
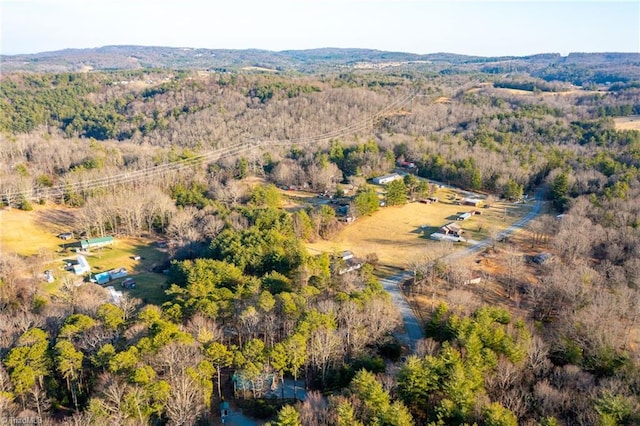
column 383, row 180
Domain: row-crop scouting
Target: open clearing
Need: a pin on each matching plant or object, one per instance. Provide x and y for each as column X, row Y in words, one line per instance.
column 26, row 233
column 627, row 123
column 400, row 235
column 35, row 232
column 521, row 92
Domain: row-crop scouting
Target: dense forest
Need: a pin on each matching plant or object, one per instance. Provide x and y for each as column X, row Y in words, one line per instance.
column 208, row 153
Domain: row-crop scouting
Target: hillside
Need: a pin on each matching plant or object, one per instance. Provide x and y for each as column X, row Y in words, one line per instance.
column 619, row 65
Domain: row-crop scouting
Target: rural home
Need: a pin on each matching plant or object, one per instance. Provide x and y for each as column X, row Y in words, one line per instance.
column 348, row 263
column 82, row 266
column 113, row 274
column 452, row 229
column 406, row 164
column 464, row 216
column 95, row 243
column 244, row 385
column 383, row 180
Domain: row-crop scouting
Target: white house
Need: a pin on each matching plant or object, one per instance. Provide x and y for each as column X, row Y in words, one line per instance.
column 82, row 266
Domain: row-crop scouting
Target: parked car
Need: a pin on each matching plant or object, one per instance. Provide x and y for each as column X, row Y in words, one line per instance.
column 542, row 258
column 66, row 235
column 128, row 283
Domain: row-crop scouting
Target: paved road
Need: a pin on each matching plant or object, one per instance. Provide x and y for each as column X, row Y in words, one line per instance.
column 413, row 331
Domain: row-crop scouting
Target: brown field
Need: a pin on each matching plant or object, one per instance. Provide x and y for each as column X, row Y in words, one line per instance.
column 261, row 69
column 444, row 100
column 575, row 92
column 627, row 123
column 400, row 235
column 26, row 233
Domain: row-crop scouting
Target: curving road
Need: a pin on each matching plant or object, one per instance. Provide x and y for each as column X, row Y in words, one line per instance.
column 413, row 330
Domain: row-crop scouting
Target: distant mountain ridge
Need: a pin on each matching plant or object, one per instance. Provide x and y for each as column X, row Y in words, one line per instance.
column 125, row 57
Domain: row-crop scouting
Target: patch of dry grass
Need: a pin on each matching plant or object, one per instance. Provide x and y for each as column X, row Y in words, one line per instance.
column 26, row 233
column 627, row 123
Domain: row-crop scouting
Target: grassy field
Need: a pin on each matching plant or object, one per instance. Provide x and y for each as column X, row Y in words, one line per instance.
column 26, row 233
column 627, row 123
column 400, row 235
column 30, row 233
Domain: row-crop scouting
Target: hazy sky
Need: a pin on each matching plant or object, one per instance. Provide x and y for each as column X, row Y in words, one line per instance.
column 421, row 26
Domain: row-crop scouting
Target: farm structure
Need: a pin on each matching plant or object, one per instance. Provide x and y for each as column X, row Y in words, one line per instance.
column 475, row 202
column 429, row 200
column 95, row 243
column 105, row 277
column 383, row 180
column 464, row 216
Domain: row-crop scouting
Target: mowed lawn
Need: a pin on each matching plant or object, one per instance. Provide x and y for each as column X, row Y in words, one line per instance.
column 30, row 233
column 399, row 235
